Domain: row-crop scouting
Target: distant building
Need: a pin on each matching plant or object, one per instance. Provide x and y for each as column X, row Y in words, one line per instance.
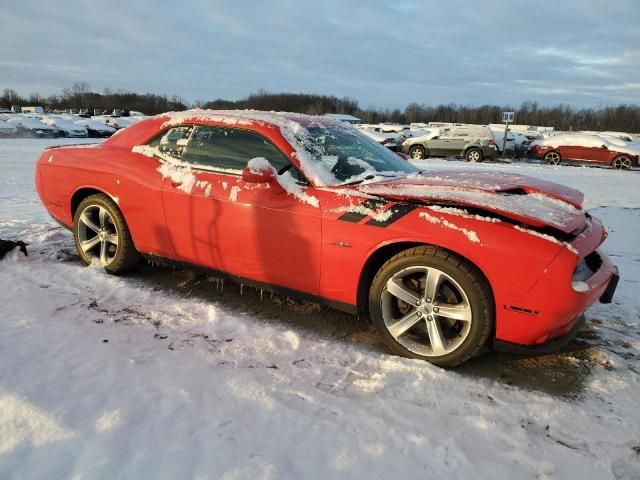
column 343, row 117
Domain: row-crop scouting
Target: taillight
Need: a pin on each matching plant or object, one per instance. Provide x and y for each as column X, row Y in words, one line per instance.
column 491, row 142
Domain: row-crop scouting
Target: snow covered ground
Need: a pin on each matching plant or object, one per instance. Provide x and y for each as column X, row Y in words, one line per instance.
column 156, row 375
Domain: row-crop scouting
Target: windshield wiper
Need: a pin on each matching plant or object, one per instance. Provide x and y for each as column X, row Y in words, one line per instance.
column 369, row 177
column 356, row 182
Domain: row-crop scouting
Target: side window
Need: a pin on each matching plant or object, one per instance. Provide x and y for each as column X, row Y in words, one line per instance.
column 172, row 142
column 445, row 134
column 460, row 133
column 230, row 149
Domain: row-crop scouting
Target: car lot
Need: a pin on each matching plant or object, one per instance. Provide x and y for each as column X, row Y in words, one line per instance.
column 175, row 344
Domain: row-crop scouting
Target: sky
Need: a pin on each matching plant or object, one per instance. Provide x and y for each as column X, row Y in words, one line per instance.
column 384, row 53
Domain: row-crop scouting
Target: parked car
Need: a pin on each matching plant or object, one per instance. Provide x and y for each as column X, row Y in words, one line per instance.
column 473, row 143
column 33, row 127
column 66, row 127
column 96, row 128
column 117, row 122
column 516, row 142
column 392, row 141
column 585, row 148
column 7, row 129
column 310, row 207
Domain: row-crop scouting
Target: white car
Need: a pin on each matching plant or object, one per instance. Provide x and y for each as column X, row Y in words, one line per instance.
column 7, row 129
column 115, row 122
column 95, row 128
column 66, row 127
column 390, row 140
column 33, row 127
column 516, row 141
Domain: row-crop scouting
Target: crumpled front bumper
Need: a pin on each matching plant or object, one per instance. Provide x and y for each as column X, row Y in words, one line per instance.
column 550, row 311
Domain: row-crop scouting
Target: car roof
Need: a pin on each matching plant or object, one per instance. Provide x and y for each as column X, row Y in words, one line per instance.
column 240, row 117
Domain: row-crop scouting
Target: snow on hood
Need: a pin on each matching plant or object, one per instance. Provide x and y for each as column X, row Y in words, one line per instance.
column 535, row 202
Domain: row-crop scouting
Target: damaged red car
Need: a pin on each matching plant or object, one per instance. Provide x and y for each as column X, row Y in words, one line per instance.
column 444, row 263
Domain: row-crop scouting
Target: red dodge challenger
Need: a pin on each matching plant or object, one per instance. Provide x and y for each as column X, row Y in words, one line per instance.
column 442, row 262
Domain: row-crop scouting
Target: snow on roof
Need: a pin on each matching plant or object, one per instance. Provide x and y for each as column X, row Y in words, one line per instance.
column 343, row 117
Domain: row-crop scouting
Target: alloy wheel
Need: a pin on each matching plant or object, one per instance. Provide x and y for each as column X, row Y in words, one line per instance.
column 622, row 162
column 426, row 311
column 417, row 154
column 97, row 234
column 473, row 156
column 552, row 158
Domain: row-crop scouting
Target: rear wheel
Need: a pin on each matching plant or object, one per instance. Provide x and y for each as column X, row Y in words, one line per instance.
column 102, row 236
column 473, row 155
column 430, row 304
column 552, row 158
column 417, row 152
column 622, row 162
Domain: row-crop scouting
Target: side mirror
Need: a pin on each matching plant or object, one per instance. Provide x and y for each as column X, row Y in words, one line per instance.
column 259, row 170
column 605, row 147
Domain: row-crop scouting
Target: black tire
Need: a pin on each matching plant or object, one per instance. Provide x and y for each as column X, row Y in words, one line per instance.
column 417, row 152
column 125, row 256
column 473, row 155
column 552, row 158
column 622, row 162
column 475, row 286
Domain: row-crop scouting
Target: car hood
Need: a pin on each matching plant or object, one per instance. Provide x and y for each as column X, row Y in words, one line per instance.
column 527, row 200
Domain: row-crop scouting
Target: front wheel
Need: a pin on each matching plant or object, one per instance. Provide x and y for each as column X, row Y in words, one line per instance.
column 417, row 153
column 102, row 236
column 622, row 162
column 473, row 155
column 430, row 304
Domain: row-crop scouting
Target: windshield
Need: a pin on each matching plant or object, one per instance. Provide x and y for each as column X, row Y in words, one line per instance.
column 350, row 156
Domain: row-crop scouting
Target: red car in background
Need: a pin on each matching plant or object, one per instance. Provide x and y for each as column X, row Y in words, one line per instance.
column 442, row 262
column 584, row 149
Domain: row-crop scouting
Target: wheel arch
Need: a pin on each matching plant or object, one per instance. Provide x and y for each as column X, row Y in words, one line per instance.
column 422, row 146
column 472, row 147
column 384, row 252
column 552, row 150
column 83, row 192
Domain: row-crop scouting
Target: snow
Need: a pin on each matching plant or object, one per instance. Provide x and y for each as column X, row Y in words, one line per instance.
column 154, row 375
column 546, row 237
column 180, row 174
column 534, row 206
column 378, row 215
column 233, row 194
column 286, row 181
column 470, row 234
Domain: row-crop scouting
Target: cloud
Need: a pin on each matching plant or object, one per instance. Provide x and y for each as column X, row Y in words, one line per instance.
column 382, row 52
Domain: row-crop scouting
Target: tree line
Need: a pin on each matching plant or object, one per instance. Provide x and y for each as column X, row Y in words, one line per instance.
column 561, row 117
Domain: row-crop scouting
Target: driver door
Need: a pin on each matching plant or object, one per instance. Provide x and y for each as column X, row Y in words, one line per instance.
column 217, row 220
column 440, row 145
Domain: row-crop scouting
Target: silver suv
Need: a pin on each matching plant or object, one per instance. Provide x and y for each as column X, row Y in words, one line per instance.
column 472, row 142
